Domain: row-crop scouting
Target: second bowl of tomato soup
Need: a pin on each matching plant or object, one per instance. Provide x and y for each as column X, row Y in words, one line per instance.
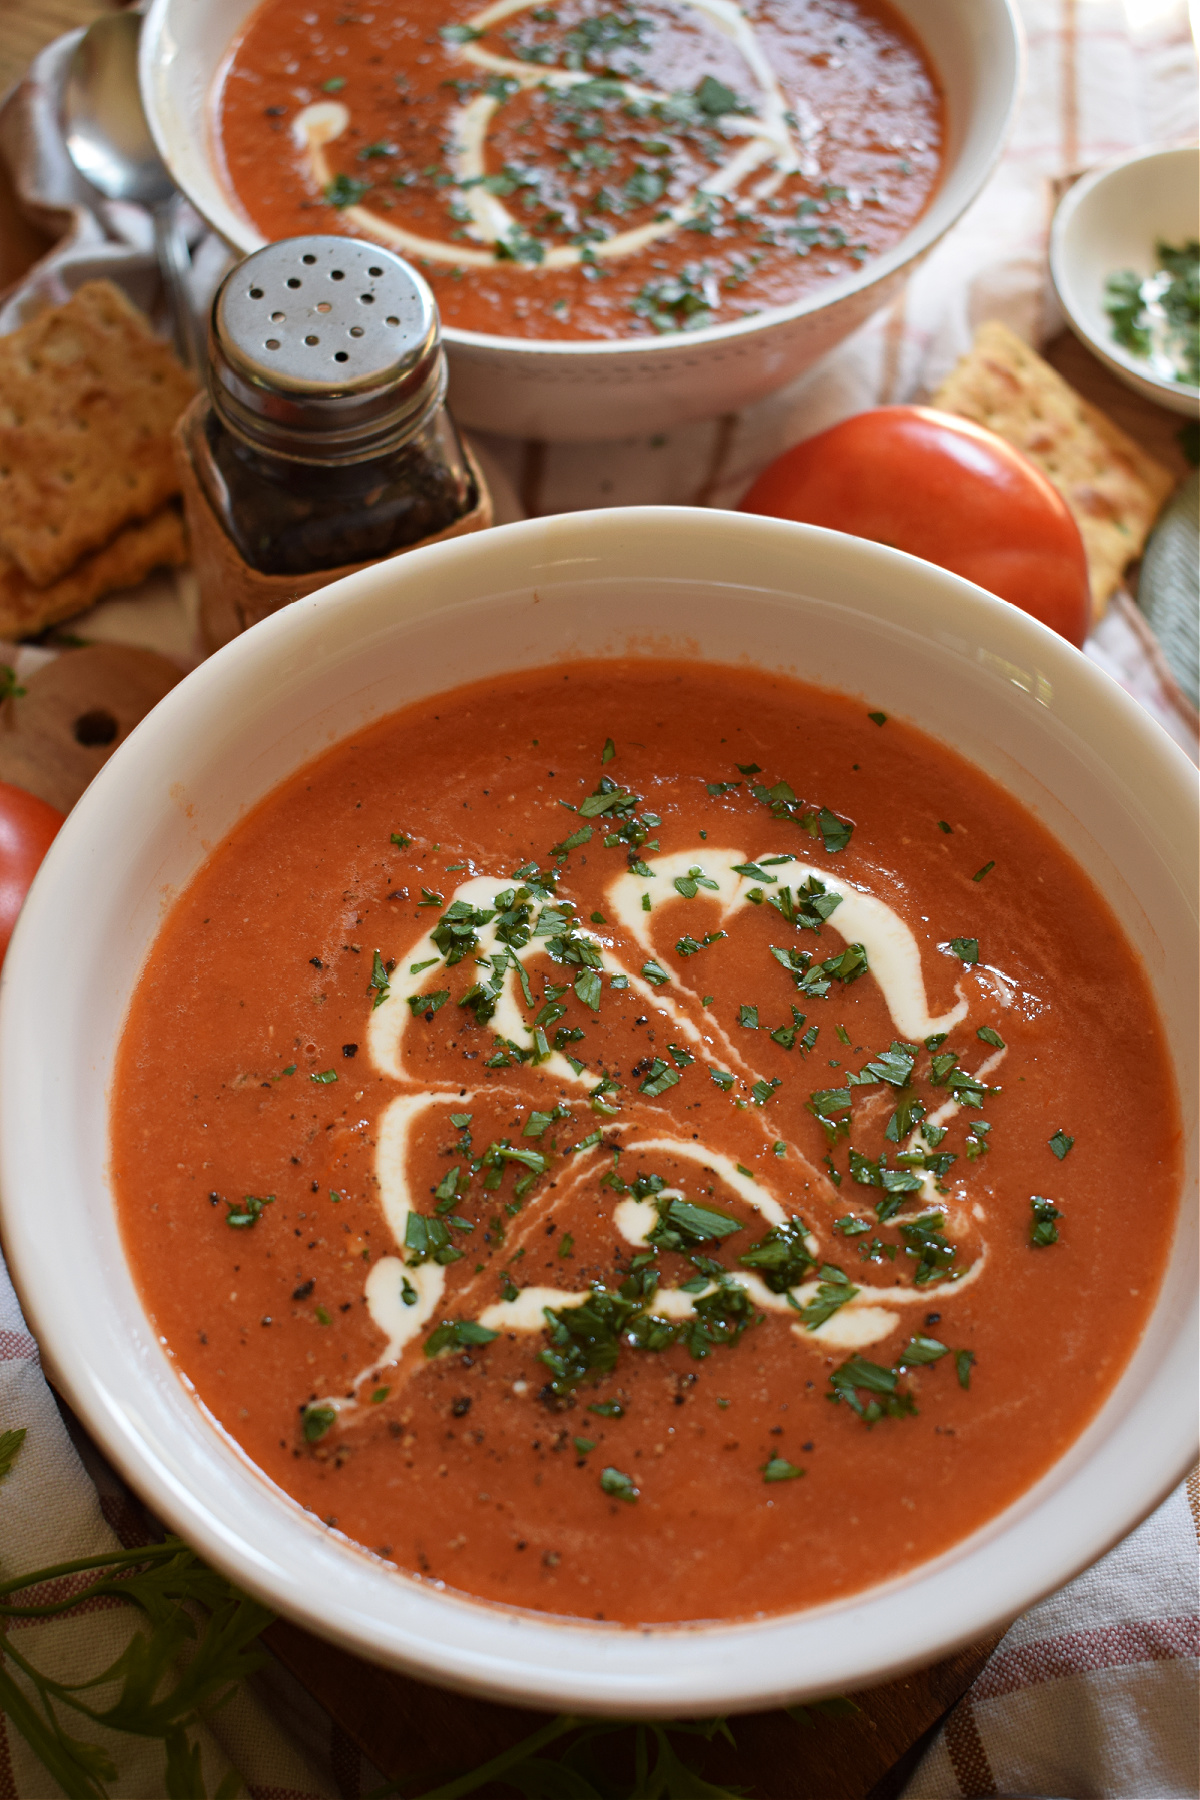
column 630, row 216
column 588, row 1136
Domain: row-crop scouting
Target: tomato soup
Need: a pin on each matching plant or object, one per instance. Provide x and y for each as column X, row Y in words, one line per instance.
column 645, row 1141
column 589, row 169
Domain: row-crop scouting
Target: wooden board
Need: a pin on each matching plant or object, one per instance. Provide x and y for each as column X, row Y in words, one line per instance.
column 426, row 1735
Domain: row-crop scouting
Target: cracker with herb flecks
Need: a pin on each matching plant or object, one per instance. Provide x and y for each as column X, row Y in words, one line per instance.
column 1114, row 489
column 88, row 397
column 157, row 542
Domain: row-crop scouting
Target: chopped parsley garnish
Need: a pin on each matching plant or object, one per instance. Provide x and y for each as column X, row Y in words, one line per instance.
column 584, row 1445
column 688, row 885
column 895, row 1066
column 920, row 1350
column 608, row 752
column 316, row 1422
column 344, row 190
column 607, row 1409
column 427, row 1239
column 247, row 1211
column 584, row 1339
column 986, row 870
column 401, row 842
column 655, row 974
column 877, row 718
column 683, row 1223
column 834, row 1291
column 460, row 34
column 850, row 1225
column 458, row 1334
column 722, row 1079
column 1060, row 1143
column 748, row 1017
column 780, row 1469
column 582, row 836
column 661, row 1077
column 887, row 1400
column 987, row 1035
column 620, row 1486
column 831, row 1108
column 379, row 981
column 848, row 966
column 1043, row 1230
column 419, row 1005
column 761, row 1092
column 782, row 1258
column 964, row 1362
column 688, row 946
column 966, row 949
column 935, row 1254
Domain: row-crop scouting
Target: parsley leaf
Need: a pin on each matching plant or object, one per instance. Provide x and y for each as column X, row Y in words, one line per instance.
column 987, row 1035
column 895, row 1066
column 619, row 1485
column 241, row 1215
column 966, row 949
column 661, row 1077
column 882, row 1384
column 834, row 1291
column 1043, row 1231
column 782, row 1257
column 379, row 981
column 1060, row 1143
column 689, row 884
column 920, row 1350
column 458, row 1334
column 780, row 1469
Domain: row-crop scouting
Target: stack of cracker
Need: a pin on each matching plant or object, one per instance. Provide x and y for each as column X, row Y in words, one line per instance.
column 88, row 399
column 1115, row 490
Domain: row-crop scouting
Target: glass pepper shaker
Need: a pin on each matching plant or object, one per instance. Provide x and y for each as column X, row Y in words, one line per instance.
column 325, row 440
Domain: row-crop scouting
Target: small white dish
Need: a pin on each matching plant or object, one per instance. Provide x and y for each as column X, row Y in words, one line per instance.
column 1110, row 221
column 1006, row 693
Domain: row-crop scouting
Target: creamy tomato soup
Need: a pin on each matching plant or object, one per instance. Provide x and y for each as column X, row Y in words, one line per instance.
column 590, row 169
column 646, row 1141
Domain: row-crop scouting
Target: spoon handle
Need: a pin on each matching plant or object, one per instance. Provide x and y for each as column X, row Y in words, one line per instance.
column 174, row 261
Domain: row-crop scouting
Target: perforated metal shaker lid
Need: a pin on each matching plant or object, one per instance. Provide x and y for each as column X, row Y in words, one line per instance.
column 325, row 349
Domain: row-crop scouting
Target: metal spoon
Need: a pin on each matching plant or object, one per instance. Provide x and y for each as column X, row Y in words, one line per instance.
column 109, row 142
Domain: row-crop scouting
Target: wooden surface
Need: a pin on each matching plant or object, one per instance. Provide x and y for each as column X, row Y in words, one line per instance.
column 27, row 25
column 427, row 1735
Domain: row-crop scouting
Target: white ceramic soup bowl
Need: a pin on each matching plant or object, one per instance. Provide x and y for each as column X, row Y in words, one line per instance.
column 918, row 642
column 1110, row 221
column 584, row 391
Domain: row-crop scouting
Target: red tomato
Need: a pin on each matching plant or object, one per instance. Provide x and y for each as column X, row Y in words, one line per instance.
column 944, row 489
column 28, row 827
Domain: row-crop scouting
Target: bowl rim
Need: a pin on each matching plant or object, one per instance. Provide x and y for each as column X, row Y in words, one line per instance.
column 914, row 244
column 727, row 1666
column 1119, row 359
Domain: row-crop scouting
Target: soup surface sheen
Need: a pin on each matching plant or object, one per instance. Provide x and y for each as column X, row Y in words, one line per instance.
column 592, row 169
column 646, row 1141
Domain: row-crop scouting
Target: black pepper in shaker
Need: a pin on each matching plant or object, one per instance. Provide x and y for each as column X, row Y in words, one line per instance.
column 326, row 440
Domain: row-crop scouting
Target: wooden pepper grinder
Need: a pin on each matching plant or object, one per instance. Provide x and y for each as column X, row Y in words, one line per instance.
column 323, row 442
